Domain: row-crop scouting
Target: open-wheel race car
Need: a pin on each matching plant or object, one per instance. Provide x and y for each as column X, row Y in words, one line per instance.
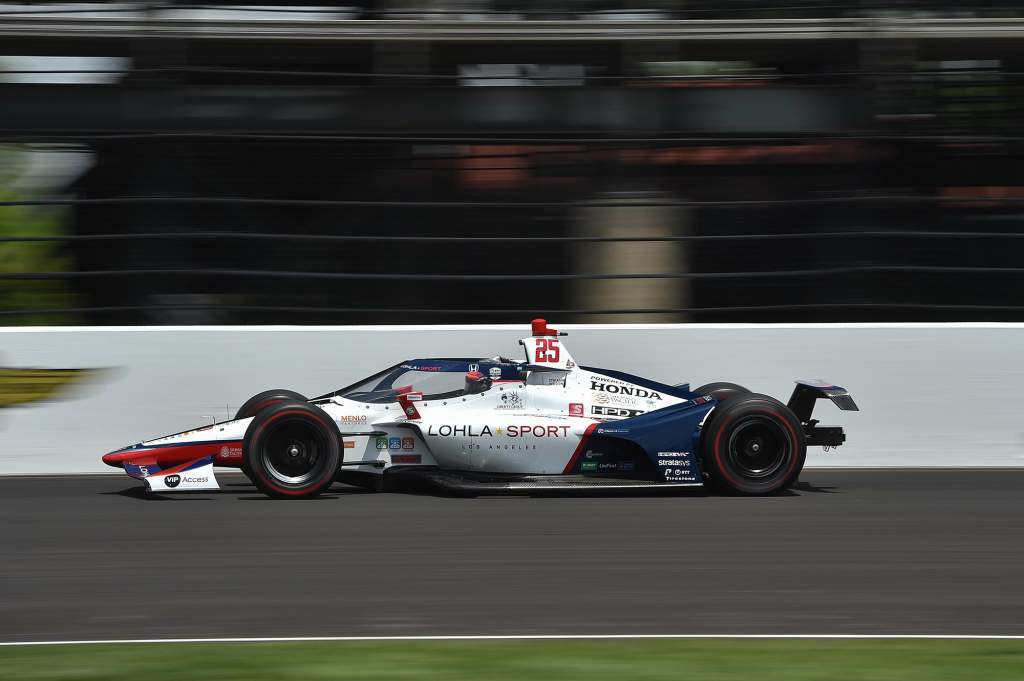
column 501, row 425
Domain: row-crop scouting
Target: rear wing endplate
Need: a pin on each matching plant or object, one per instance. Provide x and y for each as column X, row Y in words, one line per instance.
column 807, row 392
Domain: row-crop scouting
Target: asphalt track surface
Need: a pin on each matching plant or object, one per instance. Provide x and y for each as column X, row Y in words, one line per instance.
column 849, row 552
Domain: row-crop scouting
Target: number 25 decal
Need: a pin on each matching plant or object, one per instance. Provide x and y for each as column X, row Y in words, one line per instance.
column 547, row 351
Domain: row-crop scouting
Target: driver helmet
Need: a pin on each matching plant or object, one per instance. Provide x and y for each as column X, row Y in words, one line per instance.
column 476, row 383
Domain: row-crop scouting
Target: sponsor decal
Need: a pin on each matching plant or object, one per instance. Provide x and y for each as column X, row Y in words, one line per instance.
column 405, row 458
column 200, row 480
column 593, row 455
column 550, row 378
column 514, row 430
column 422, row 367
column 386, row 443
column 569, row 364
column 473, row 367
column 600, row 398
column 575, row 409
column 602, row 431
column 615, row 411
column 230, row 452
column 172, row 481
column 588, row 466
column 494, row 373
column 626, row 466
column 616, row 389
column 676, row 467
column 511, row 401
column 679, row 475
column 504, row 447
column 349, row 444
column 352, row 419
column 681, row 459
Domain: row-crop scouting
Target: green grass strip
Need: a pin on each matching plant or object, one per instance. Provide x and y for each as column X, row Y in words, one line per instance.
column 595, row 660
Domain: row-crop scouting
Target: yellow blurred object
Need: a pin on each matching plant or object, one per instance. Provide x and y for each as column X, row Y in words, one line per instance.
column 21, row 386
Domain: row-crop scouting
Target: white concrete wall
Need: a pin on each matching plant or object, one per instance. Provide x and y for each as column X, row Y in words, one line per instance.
column 930, row 395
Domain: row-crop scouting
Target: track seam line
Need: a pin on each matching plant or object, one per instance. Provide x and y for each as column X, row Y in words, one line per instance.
column 525, row 637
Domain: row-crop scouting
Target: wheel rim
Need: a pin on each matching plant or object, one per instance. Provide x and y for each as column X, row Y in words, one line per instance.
column 295, row 453
column 758, row 447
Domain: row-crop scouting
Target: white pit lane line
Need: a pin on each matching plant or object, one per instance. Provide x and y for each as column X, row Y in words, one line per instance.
column 529, row 637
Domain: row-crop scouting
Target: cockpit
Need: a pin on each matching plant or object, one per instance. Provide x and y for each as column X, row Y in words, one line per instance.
column 436, row 379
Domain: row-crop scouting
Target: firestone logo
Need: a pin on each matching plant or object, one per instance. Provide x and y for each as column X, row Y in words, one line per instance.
column 507, row 431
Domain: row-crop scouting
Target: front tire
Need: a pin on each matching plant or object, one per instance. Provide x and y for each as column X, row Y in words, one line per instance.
column 753, row 444
column 268, row 398
column 292, row 450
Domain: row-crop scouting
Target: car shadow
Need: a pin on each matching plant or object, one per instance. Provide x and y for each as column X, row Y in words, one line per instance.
column 140, row 494
column 808, row 487
column 250, row 493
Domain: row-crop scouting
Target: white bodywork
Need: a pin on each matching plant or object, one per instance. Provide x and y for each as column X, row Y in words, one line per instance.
column 530, row 426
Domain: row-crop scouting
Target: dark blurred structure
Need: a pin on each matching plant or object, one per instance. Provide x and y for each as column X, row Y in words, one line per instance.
column 458, row 162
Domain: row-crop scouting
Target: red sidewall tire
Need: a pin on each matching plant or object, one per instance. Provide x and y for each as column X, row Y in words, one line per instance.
column 742, row 410
column 257, row 403
column 268, row 398
column 308, row 418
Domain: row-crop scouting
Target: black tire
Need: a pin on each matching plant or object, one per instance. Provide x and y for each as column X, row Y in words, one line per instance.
column 292, row 450
column 257, row 403
column 267, row 398
column 753, row 444
column 721, row 390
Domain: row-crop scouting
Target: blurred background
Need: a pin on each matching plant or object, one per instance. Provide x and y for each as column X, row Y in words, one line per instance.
column 420, row 161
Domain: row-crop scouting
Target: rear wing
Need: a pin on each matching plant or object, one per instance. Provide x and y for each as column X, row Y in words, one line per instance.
column 801, row 402
column 806, row 392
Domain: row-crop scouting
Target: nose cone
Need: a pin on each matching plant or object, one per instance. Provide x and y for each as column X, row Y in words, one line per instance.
column 117, row 458
column 112, row 459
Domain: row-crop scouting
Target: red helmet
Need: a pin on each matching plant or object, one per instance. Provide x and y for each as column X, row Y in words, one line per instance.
column 476, row 382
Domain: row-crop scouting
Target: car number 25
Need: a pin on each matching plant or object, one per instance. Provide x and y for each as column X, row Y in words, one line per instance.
column 546, row 350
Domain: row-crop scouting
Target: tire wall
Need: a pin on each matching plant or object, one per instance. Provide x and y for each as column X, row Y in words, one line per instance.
column 930, row 395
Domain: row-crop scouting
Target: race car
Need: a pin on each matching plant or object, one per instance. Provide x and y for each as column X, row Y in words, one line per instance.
column 483, row 425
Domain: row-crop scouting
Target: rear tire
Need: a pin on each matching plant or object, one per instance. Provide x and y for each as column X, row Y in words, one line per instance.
column 722, row 391
column 292, row 450
column 753, row 444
